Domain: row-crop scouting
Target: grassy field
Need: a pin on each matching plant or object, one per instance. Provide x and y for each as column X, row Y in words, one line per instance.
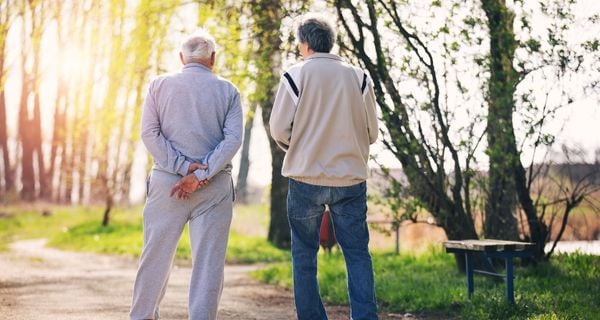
column 79, row 229
column 26, row 222
column 568, row 287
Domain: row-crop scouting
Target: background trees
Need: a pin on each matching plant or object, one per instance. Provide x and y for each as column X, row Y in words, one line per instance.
column 468, row 91
column 80, row 94
column 417, row 120
column 439, row 156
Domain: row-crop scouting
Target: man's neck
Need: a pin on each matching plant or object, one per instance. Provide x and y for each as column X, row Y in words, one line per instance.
column 309, row 53
column 208, row 65
column 205, row 64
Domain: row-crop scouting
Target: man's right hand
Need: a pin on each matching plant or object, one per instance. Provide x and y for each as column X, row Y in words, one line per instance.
column 186, row 186
column 196, row 166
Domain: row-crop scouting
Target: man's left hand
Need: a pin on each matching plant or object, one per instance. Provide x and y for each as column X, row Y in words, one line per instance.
column 186, row 186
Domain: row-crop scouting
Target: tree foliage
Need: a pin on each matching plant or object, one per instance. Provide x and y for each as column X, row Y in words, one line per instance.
column 418, row 130
column 437, row 63
column 100, row 79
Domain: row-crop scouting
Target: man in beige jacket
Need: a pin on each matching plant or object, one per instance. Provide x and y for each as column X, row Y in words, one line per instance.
column 324, row 118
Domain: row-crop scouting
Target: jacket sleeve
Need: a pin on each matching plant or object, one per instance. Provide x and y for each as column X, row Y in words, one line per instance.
column 222, row 154
column 282, row 117
column 161, row 149
column 371, row 108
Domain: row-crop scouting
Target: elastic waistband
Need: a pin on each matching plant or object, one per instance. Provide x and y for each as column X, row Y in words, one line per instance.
column 328, row 182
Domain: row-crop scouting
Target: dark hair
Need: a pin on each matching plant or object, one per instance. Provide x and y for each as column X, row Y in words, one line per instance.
column 317, row 33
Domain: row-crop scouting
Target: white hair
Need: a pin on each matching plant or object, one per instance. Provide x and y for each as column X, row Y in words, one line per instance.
column 198, row 46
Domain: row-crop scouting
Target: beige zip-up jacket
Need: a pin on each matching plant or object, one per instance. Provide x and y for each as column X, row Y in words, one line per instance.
column 324, row 118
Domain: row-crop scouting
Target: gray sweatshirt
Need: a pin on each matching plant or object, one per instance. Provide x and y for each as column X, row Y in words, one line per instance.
column 189, row 117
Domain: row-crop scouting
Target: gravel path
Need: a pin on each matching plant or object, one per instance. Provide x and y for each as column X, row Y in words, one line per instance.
column 41, row 283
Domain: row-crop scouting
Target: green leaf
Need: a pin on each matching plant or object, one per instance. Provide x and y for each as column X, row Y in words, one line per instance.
column 533, row 45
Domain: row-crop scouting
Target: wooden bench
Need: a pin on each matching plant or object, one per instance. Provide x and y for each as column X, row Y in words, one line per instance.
column 490, row 248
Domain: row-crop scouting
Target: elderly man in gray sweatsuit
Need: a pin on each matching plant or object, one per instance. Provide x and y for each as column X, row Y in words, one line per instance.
column 192, row 126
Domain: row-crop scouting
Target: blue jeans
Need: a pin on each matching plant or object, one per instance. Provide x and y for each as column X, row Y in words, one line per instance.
column 348, row 207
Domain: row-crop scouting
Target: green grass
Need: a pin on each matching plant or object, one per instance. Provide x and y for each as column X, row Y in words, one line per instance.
column 126, row 239
column 79, row 229
column 568, row 287
column 116, row 238
column 251, row 219
column 28, row 223
column 247, row 249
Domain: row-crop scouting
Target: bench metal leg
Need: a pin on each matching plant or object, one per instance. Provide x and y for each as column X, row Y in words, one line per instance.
column 469, row 270
column 489, row 250
column 509, row 280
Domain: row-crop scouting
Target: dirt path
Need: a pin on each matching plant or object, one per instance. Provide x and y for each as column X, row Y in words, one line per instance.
column 37, row 282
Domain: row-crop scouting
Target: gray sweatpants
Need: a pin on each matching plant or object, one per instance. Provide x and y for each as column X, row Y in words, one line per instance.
column 208, row 212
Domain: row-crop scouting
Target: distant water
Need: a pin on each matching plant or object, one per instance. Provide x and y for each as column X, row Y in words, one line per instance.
column 587, row 247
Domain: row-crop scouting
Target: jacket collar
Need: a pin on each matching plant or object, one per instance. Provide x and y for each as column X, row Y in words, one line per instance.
column 195, row 67
column 319, row 55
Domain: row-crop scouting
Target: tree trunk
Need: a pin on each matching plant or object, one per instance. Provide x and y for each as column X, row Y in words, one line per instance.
column 242, row 179
column 36, row 127
column 38, row 12
column 59, row 130
column 65, row 185
column 24, row 134
column 30, row 132
column 82, row 137
column 8, row 173
column 538, row 231
column 500, row 218
column 7, row 176
column 279, row 229
column 267, row 16
column 107, row 209
column 69, row 155
column 81, row 159
column 26, row 139
column 108, row 133
column 58, row 146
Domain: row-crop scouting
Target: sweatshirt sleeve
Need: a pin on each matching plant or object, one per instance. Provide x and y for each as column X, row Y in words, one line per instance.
column 371, row 107
column 161, row 149
column 222, row 154
column 282, row 117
